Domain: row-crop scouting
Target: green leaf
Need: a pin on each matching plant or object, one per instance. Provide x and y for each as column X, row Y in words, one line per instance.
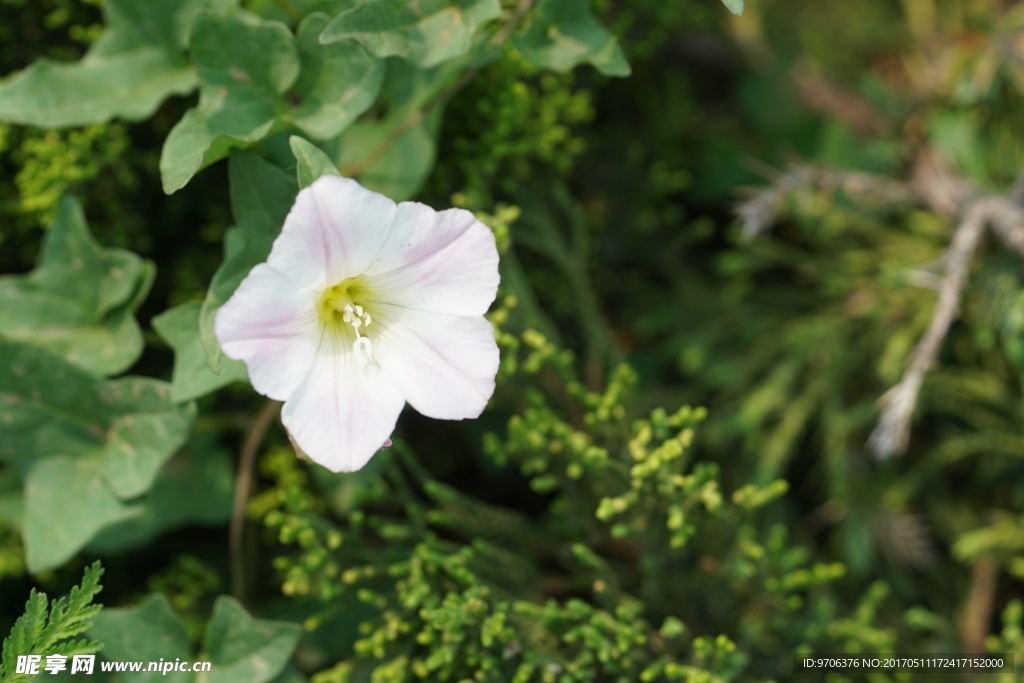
column 129, row 86
column 734, row 6
column 137, row 62
column 201, row 473
column 148, row 632
column 66, row 503
column 193, row 144
column 146, row 421
column 311, row 162
column 85, row 447
column 338, row 82
column 192, row 376
column 80, row 299
column 426, row 32
column 244, row 65
column 47, row 406
column 165, row 24
column 261, row 196
column 240, row 649
column 563, row 33
column 246, row 650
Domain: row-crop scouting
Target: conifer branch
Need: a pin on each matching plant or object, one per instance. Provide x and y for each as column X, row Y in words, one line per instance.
column 47, row 629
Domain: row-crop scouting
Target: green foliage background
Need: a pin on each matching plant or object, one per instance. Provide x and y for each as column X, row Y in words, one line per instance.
column 671, row 482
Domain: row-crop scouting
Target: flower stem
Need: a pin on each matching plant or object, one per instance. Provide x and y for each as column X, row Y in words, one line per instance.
column 290, row 9
column 414, row 119
column 243, row 486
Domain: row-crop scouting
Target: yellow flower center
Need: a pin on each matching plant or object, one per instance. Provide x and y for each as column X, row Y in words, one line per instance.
column 342, row 316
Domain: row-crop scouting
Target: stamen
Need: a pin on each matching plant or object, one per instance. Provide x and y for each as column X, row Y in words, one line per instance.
column 338, row 300
column 355, row 316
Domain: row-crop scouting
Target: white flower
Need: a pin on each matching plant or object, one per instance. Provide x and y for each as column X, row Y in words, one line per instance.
column 361, row 306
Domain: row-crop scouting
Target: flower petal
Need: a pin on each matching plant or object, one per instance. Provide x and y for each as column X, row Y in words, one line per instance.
column 270, row 323
column 342, row 412
column 445, row 262
column 444, row 365
column 335, row 230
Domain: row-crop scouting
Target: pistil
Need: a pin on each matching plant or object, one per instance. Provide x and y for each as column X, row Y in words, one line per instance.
column 357, row 317
column 338, row 302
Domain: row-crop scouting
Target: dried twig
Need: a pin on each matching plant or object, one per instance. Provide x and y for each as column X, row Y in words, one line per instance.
column 974, row 621
column 759, row 212
column 935, row 187
column 893, row 430
column 942, row 191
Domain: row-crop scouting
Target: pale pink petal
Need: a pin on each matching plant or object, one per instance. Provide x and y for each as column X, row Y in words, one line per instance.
column 270, row 323
column 445, row 262
column 343, row 411
column 427, row 278
column 334, row 231
column 444, row 365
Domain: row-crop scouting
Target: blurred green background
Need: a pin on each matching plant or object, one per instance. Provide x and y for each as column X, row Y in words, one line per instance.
column 617, row 198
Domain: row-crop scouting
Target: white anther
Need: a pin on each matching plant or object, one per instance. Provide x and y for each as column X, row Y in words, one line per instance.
column 356, row 316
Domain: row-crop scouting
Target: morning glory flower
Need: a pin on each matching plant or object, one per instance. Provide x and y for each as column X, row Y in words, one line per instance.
column 364, row 305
